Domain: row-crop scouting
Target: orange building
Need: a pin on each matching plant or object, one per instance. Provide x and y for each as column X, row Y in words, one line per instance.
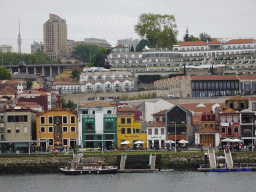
column 58, row 127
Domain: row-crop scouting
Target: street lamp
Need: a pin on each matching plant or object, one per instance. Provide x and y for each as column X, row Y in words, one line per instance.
column 175, row 136
column 252, row 134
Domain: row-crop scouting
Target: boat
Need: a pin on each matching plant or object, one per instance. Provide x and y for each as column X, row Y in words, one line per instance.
column 75, row 167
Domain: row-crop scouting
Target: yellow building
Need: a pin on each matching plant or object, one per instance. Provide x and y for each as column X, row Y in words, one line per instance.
column 129, row 130
column 58, row 127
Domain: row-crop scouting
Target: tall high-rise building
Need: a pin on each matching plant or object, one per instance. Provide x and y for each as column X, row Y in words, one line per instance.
column 19, row 40
column 55, row 37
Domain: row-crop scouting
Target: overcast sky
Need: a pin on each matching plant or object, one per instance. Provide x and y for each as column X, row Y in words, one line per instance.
column 115, row 19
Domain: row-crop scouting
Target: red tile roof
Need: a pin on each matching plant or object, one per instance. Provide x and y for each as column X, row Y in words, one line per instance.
column 193, row 107
column 214, row 77
column 126, row 109
column 192, row 43
column 157, row 124
column 215, row 41
column 240, row 41
column 196, row 118
column 228, row 110
column 246, row 77
column 207, row 129
column 237, row 98
column 96, row 104
column 160, row 113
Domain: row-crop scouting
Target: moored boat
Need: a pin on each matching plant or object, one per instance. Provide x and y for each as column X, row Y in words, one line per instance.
column 75, row 167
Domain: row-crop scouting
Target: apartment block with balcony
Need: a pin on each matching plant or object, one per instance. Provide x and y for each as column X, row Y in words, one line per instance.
column 1, row 124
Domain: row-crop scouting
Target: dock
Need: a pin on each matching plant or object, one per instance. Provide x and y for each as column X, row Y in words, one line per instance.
column 215, row 166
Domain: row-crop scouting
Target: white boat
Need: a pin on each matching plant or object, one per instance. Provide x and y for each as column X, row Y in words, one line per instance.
column 166, row 170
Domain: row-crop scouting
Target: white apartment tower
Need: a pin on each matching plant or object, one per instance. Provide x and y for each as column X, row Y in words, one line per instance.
column 55, row 37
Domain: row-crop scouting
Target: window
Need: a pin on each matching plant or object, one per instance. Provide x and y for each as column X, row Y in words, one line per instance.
column 72, row 129
column 50, row 142
column 42, row 129
column 50, row 129
column 122, row 130
column 236, row 129
column 156, row 131
column 122, row 120
column 162, row 131
column 64, row 119
column 109, row 126
column 229, row 118
column 157, row 119
column 85, row 111
column 9, row 130
column 149, row 131
column 129, row 131
column 50, row 120
column 17, row 130
column 65, row 142
column 64, row 129
column 223, row 119
column 109, row 111
column 129, row 121
column 89, row 126
column 42, row 120
column 109, row 136
column 254, row 106
column 25, row 129
column 93, row 112
column 235, row 119
column 223, row 130
column 73, row 119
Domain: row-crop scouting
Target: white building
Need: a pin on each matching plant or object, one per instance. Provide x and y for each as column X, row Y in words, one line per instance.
column 5, row 48
column 36, row 46
column 129, row 42
column 150, row 107
column 156, row 135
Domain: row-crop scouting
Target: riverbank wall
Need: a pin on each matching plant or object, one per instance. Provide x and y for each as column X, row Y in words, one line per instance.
column 46, row 164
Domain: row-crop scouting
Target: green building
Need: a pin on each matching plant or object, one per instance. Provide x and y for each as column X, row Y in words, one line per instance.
column 97, row 125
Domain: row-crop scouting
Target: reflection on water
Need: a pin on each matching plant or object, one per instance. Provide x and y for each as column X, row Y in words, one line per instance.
column 132, row 182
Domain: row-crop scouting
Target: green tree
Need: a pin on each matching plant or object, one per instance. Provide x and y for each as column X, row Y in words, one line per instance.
column 84, row 52
column 29, row 84
column 70, row 104
column 142, row 44
column 76, row 74
column 99, row 57
column 192, row 38
column 5, row 74
column 205, row 37
column 155, row 28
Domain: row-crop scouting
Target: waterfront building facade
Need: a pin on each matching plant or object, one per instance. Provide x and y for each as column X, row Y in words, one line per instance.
column 129, row 129
column 179, row 121
column 156, row 135
column 55, row 37
column 97, row 125
column 58, row 127
column 247, row 123
column 229, row 123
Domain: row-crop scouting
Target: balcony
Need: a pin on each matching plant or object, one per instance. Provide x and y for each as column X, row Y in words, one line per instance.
column 99, row 89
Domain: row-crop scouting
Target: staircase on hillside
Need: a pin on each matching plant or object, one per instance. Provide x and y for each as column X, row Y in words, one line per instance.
column 229, row 161
column 122, row 162
column 153, row 162
column 209, row 61
column 212, row 159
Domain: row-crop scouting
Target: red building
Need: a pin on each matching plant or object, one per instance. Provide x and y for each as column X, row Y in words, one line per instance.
column 229, row 123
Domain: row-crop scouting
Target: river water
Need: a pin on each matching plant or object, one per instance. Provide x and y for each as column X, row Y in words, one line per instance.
column 132, row 182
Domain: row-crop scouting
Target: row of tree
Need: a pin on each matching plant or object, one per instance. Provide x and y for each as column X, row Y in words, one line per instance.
column 36, row 58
